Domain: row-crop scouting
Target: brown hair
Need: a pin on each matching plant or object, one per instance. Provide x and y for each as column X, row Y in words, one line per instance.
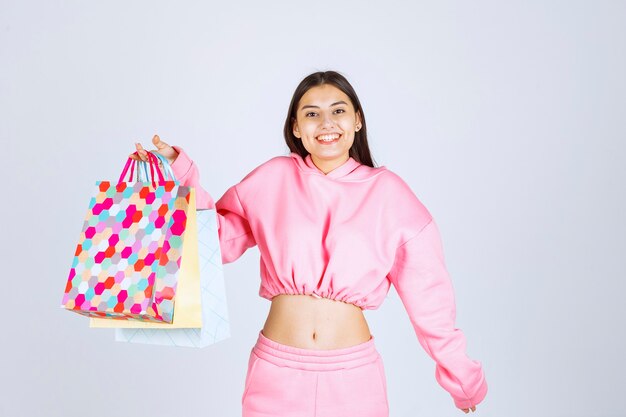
column 360, row 150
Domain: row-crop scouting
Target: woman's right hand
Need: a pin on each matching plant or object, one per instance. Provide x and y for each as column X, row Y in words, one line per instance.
column 161, row 147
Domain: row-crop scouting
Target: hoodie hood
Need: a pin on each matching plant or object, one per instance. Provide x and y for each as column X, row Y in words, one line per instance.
column 351, row 170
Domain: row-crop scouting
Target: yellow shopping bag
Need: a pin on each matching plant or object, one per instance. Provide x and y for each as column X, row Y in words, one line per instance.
column 187, row 304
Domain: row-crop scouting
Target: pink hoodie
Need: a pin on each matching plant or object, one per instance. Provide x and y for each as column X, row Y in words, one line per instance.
column 346, row 235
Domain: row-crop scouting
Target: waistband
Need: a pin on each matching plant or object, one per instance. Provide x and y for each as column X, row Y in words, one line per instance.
column 315, row 359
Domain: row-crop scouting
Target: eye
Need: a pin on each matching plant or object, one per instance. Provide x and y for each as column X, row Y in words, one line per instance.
column 312, row 112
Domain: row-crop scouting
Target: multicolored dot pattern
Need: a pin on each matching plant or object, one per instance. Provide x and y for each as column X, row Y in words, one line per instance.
column 129, row 252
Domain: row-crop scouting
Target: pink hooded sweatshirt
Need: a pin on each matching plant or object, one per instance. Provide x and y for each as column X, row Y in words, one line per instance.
column 346, row 235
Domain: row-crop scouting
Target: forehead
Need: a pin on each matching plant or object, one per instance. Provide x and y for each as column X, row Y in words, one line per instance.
column 323, row 96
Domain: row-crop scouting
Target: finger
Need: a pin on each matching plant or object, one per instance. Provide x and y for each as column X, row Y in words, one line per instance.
column 138, row 156
column 142, row 152
column 156, row 140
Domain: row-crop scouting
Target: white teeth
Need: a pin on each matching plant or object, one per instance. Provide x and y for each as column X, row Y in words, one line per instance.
column 328, row 138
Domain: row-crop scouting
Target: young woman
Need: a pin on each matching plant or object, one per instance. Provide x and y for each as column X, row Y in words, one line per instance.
column 334, row 232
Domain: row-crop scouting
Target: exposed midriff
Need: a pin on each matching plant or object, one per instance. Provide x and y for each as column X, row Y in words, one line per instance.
column 313, row 322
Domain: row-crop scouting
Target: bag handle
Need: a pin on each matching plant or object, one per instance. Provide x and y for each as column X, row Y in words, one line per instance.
column 130, row 163
column 142, row 171
column 167, row 167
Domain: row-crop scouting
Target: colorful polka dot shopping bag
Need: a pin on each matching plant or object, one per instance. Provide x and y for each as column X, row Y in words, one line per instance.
column 129, row 251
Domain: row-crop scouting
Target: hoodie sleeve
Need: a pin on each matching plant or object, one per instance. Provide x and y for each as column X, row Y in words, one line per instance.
column 234, row 231
column 422, row 282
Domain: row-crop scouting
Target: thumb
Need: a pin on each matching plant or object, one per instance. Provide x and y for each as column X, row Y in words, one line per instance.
column 159, row 143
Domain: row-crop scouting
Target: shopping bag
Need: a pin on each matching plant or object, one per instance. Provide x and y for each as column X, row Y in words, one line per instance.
column 129, row 252
column 215, row 323
column 215, row 319
column 187, row 306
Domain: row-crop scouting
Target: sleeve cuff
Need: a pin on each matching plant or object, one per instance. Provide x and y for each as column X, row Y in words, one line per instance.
column 476, row 399
column 182, row 163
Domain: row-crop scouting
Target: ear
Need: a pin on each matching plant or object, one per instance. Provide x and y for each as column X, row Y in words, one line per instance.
column 358, row 118
column 295, row 130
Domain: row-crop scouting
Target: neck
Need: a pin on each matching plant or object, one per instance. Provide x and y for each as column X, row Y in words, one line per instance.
column 328, row 165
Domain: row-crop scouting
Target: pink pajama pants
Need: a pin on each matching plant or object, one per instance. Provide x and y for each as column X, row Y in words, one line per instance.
column 286, row 381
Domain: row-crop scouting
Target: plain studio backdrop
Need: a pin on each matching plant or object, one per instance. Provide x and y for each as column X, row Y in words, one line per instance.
column 505, row 118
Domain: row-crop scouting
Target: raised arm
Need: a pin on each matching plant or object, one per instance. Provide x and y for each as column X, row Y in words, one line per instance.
column 421, row 279
column 234, row 230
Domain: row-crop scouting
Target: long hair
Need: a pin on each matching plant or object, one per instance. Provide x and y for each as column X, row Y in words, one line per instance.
column 359, row 150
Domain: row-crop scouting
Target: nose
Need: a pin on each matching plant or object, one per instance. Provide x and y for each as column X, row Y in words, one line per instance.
column 327, row 121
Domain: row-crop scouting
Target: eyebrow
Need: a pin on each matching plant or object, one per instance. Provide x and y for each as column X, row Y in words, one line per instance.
column 317, row 107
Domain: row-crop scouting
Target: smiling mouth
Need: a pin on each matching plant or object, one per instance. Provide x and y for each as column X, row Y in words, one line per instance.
column 328, row 138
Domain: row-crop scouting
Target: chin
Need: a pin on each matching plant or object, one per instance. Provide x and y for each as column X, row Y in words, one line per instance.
column 330, row 155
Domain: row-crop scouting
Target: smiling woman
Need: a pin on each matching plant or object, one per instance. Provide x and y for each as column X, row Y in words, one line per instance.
column 334, row 233
column 327, row 133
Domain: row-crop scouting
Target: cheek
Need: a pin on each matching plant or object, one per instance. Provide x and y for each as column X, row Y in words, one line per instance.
column 348, row 122
column 309, row 129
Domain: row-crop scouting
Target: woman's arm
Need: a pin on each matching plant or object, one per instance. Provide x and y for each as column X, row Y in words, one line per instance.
column 234, row 231
column 422, row 281
column 186, row 171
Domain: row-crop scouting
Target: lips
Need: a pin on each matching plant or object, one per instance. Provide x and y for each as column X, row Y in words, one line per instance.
column 328, row 137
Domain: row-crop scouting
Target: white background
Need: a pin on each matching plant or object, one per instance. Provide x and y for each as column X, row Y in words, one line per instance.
column 506, row 119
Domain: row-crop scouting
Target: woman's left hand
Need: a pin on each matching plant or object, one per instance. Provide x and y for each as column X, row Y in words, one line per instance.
column 466, row 410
